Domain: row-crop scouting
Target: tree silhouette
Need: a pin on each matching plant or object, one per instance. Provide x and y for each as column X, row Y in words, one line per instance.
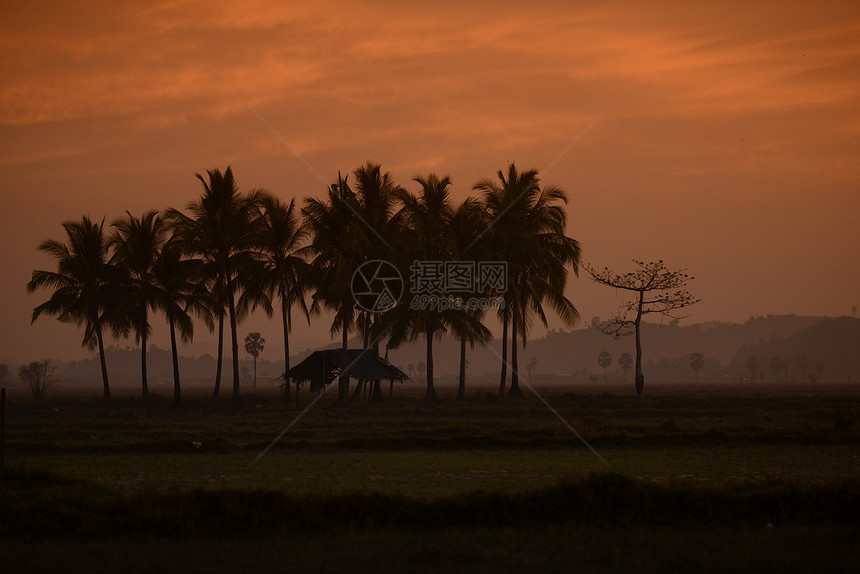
column 604, row 359
column 136, row 242
column 38, row 376
column 657, row 290
column 625, row 361
column 4, row 370
column 426, row 220
column 338, row 245
column 803, row 367
column 697, row 361
column 178, row 290
column 753, row 366
column 84, row 285
column 777, row 366
column 468, row 222
column 532, row 367
column 819, row 370
column 254, row 343
column 224, row 228
column 285, row 272
column 527, row 230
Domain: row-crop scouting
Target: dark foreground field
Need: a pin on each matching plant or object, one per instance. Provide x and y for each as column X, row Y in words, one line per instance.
column 697, row 479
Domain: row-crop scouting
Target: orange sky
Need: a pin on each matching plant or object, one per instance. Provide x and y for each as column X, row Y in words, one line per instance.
column 729, row 141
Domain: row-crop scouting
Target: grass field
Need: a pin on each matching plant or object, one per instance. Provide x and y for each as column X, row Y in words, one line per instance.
column 697, row 478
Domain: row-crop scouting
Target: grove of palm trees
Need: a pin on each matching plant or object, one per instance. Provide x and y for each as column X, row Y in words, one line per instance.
column 229, row 253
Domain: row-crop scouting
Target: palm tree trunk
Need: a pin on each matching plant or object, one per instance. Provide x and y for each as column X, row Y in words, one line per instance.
column 234, row 338
column 343, row 379
column 177, row 391
column 504, row 353
column 515, row 375
column 105, row 382
column 220, row 359
column 461, row 388
column 286, row 319
column 143, row 383
column 430, row 395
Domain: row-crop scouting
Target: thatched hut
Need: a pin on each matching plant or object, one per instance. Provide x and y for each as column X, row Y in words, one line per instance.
column 323, row 367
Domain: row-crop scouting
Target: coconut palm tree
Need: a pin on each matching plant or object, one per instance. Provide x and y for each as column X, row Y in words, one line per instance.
column 377, row 195
column 282, row 244
column 178, row 290
column 338, row 243
column 426, row 223
column 84, row 285
column 136, row 242
column 223, row 227
column 527, row 230
column 467, row 224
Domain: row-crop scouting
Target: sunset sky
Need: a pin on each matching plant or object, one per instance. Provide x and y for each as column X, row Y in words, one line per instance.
column 723, row 136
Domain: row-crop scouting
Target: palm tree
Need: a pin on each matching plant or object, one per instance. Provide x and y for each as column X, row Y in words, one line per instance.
column 604, row 360
column 467, row 224
column 223, row 228
column 347, row 229
column 84, row 285
column 136, row 242
column 254, row 343
column 338, row 242
column 178, row 291
column 625, row 361
column 284, row 270
column 426, row 220
column 527, row 231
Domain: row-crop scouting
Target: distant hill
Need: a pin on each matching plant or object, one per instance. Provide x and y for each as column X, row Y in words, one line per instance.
column 567, row 352
column 560, row 354
column 831, row 344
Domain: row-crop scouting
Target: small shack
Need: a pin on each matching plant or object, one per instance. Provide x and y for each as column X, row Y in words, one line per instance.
column 323, row 367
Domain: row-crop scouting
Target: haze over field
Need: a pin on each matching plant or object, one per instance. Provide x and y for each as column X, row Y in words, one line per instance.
column 723, row 139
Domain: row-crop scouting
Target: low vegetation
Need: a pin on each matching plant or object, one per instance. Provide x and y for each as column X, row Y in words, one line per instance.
column 485, row 484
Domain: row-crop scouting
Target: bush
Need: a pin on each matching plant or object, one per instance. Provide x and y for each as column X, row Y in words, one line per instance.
column 38, row 375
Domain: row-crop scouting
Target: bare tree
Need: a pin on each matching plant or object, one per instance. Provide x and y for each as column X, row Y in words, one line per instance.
column 38, row 376
column 656, row 289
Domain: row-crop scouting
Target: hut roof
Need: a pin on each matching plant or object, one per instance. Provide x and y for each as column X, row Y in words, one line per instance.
column 327, row 364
